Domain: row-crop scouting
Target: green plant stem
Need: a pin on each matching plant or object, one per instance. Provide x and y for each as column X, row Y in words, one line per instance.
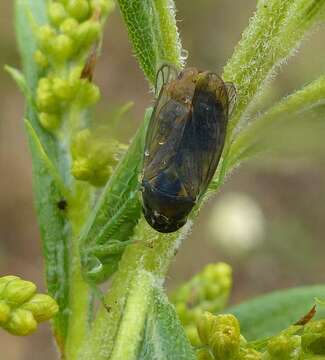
column 143, row 266
column 78, row 211
column 79, row 290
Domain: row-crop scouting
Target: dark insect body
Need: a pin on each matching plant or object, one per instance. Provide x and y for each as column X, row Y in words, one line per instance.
column 62, row 204
column 184, row 143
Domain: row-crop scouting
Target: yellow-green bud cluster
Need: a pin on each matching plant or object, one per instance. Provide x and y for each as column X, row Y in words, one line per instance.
column 95, row 156
column 207, row 291
column 74, row 26
column 307, row 343
column 221, row 334
column 284, row 347
column 63, row 48
column 249, row 354
column 221, row 340
column 204, row 354
column 21, row 308
column 313, row 338
column 54, row 94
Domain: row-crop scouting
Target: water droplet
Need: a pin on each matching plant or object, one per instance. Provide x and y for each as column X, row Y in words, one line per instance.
column 146, row 153
column 184, row 54
column 161, row 142
column 95, row 266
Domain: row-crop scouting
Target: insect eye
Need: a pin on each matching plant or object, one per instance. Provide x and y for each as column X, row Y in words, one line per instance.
column 186, row 99
column 203, row 108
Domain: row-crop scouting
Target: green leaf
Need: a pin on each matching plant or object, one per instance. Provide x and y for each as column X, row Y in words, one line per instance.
column 116, row 213
column 48, row 188
column 28, row 14
column 55, row 231
column 269, row 314
column 143, row 265
column 19, row 79
column 276, row 29
column 153, row 33
column 164, row 337
column 302, row 100
column 274, row 32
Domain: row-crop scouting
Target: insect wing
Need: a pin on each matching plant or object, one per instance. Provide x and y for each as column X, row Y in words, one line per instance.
column 232, row 96
column 165, row 128
column 203, row 136
column 165, row 74
column 164, row 136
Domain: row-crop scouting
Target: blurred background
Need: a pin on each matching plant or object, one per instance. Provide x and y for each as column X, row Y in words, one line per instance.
column 267, row 222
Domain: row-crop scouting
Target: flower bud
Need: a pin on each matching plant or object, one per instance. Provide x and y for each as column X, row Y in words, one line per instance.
column 81, row 169
column 18, row 291
column 62, row 89
column 4, row 312
column 88, row 94
column 62, row 47
column 4, row 281
column 74, row 76
column 40, row 59
column 45, row 35
column 205, row 327
column 57, row 13
column 211, row 288
column 79, row 9
column 284, row 347
column 46, row 101
column 49, row 121
column 192, row 335
column 204, row 354
column 182, row 313
column 42, row 306
column 44, row 84
column 87, row 33
column 249, row 354
column 69, row 27
column 104, row 6
column 313, row 338
column 20, row 308
column 81, row 143
column 207, row 291
column 221, row 333
column 21, row 322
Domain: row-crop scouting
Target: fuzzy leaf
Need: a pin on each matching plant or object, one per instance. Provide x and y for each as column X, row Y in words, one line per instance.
column 28, row 14
column 303, row 100
column 274, row 32
column 19, row 79
column 164, row 337
column 48, row 188
column 49, row 191
column 116, row 214
column 277, row 28
column 153, row 33
column 269, row 314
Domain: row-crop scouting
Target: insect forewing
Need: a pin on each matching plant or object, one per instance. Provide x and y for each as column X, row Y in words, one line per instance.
column 164, row 136
column 165, row 128
column 204, row 135
column 232, row 96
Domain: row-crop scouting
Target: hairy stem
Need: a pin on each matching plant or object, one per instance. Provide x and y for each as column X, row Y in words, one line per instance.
column 143, row 266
